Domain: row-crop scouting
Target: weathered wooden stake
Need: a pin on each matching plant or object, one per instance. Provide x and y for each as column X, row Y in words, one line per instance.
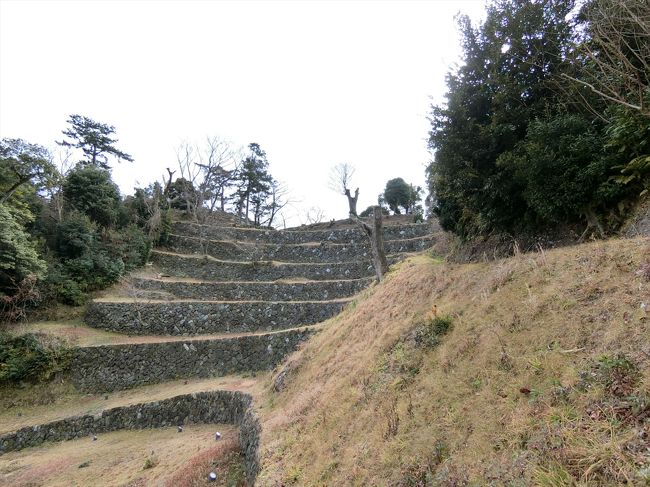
column 376, row 236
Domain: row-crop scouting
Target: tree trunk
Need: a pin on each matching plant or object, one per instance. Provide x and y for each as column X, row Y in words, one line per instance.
column 14, row 187
column 352, row 201
column 376, row 235
column 169, row 181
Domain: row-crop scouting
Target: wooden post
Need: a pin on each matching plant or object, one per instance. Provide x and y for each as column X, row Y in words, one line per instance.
column 376, row 235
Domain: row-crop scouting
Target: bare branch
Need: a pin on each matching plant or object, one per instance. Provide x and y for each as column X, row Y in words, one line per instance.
column 340, row 178
column 604, row 95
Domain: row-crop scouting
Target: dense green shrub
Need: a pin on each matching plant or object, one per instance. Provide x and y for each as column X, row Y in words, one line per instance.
column 368, row 211
column 31, row 357
column 134, row 246
column 428, row 335
column 18, row 256
column 76, row 235
column 87, row 261
column 562, row 168
column 628, row 135
column 90, row 190
column 182, row 195
column 62, row 288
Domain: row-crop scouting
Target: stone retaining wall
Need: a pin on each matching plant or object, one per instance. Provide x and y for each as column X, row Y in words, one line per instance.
column 256, row 291
column 319, row 252
column 204, row 268
column 201, row 317
column 201, row 407
column 250, row 432
column 114, row 367
column 336, row 235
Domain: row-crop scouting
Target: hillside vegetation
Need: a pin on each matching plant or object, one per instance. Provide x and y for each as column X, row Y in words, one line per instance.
column 535, row 372
column 545, row 123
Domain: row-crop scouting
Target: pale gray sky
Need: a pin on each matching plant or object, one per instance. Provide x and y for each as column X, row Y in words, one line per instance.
column 314, row 83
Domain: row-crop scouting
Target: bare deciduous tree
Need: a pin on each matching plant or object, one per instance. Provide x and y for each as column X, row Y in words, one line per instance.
column 277, row 201
column 63, row 161
column 186, row 156
column 314, row 215
column 219, row 163
column 340, row 181
column 210, row 169
column 616, row 51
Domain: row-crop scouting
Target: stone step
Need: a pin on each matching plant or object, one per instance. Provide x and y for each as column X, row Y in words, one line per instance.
column 134, row 317
column 335, row 235
column 258, row 291
column 322, row 252
column 116, row 367
column 209, row 268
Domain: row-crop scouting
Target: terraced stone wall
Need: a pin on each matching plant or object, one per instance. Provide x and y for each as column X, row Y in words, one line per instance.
column 114, row 367
column 199, row 317
column 337, row 235
column 253, row 291
column 202, row 407
column 250, row 431
column 326, row 251
column 204, row 268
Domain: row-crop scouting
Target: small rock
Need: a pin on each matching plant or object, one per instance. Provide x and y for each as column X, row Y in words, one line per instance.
column 85, row 464
column 180, row 429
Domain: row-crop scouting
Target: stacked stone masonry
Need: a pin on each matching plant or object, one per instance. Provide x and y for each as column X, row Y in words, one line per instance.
column 348, row 235
column 252, row 291
column 202, row 317
column 229, row 407
column 208, row 268
column 317, row 252
column 114, row 367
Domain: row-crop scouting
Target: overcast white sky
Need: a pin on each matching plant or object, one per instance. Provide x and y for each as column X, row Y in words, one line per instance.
column 314, row 83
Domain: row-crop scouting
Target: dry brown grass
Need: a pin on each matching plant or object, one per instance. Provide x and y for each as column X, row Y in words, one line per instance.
column 514, row 394
column 124, row 458
column 225, row 459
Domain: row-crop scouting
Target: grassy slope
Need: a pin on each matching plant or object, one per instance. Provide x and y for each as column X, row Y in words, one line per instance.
column 152, row 457
column 543, row 379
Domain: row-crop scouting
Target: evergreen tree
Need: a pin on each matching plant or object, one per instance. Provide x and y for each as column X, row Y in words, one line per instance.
column 22, row 163
column 398, row 193
column 506, row 83
column 90, row 190
column 94, row 139
column 255, row 185
column 18, row 255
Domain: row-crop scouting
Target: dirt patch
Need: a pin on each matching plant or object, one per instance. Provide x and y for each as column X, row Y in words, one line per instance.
column 123, row 458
